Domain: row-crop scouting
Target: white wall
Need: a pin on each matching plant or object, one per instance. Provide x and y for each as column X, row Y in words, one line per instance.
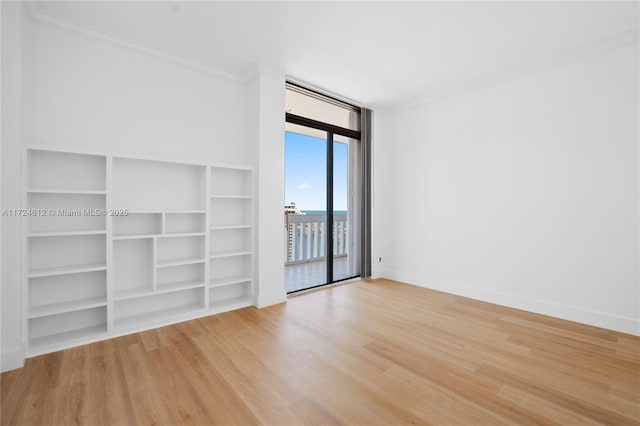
column 84, row 92
column 265, row 125
column 10, row 319
column 524, row 193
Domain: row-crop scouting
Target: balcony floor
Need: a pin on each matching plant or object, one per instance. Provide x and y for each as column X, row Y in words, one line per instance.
column 305, row 275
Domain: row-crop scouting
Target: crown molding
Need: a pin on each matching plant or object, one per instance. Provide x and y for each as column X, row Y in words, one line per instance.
column 273, row 72
column 604, row 45
column 259, row 69
column 97, row 33
column 618, row 40
column 250, row 73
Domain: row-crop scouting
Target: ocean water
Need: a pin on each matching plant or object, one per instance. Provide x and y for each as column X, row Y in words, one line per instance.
column 323, row 211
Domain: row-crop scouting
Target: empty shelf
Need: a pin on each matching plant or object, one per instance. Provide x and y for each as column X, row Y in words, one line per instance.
column 221, row 282
column 134, row 236
column 177, row 286
column 66, row 191
column 160, row 316
column 236, row 197
column 229, row 254
column 220, row 227
column 183, row 234
column 65, row 233
column 230, row 304
column 67, row 337
column 133, row 293
column 178, row 262
column 63, row 307
column 46, row 272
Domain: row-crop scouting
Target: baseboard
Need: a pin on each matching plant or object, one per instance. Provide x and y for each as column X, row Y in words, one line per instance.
column 273, row 298
column 570, row 313
column 11, row 359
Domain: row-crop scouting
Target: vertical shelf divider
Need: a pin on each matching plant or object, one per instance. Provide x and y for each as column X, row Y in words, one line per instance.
column 109, row 238
column 207, row 237
column 253, row 235
column 24, row 260
column 154, row 256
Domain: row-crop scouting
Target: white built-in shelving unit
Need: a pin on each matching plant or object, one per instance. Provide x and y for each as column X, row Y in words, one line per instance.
column 128, row 244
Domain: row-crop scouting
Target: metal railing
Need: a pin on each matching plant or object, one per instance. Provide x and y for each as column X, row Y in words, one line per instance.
column 305, row 237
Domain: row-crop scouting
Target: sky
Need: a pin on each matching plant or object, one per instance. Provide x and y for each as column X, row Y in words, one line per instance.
column 305, row 172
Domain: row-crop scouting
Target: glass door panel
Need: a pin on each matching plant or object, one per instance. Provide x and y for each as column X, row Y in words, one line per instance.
column 346, row 203
column 340, row 211
column 305, row 212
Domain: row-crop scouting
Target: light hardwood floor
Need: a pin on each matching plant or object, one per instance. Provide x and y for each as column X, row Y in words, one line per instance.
column 366, row 353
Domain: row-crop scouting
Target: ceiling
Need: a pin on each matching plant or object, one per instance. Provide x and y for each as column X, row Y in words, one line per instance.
column 375, row 53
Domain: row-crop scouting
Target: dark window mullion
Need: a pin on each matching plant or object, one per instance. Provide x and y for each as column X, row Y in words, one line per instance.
column 319, row 125
column 329, row 247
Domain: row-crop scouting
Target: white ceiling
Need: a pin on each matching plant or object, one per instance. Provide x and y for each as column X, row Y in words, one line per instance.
column 376, row 53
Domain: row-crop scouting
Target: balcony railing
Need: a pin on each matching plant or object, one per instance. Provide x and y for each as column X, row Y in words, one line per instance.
column 306, row 238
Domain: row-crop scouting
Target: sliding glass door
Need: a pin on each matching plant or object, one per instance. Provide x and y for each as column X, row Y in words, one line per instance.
column 321, row 214
column 323, row 180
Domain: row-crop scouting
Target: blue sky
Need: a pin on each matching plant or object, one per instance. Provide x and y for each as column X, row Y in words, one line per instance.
column 305, row 172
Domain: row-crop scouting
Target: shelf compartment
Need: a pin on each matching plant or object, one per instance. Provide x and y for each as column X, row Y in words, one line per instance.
column 229, row 240
column 230, row 296
column 229, row 268
column 53, row 293
column 230, row 212
column 179, row 286
column 184, row 223
column 67, row 339
column 167, row 288
column 67, row 172
column 136, row 225
column 180, row 250
column 159, row 307
column 140, row 185
column 230, row 181
column 230, row 304
column 132, row 266
column 66, row 254
column 70, row 212
column 223, row 282
column 64, row 307
column 152, row 318
column 182, row 276
column 63, row 328
column 133, row 293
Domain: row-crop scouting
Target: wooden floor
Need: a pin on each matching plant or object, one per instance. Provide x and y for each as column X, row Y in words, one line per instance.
column 364, row 353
